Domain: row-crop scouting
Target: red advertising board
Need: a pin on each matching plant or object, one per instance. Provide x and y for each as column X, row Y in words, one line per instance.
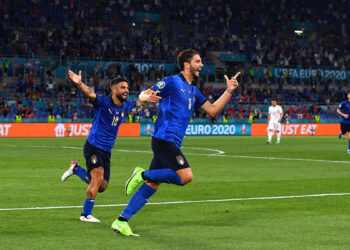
column 59, row 129
column 259, row 129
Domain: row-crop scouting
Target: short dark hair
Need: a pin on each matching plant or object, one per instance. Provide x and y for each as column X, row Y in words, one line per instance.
column 185, row 56
column 118, row 80
column 274, row 98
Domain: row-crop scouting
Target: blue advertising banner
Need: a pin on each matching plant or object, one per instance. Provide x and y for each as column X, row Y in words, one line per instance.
column 219, row 129
column 100, row 66
column 300, row 73
column 207, row 129
column 146, row 129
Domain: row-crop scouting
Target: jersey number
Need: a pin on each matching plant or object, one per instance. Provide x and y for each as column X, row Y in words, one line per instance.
column 189, row 103
column 115, row 120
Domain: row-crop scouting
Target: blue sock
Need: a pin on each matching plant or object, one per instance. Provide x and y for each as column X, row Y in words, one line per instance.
column 162, row 175
column 349, row 146
column 137, row 201
column 88, row 206
column 81, row 172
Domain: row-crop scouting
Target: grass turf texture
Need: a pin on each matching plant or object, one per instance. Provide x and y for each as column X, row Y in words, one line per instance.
column 30, row 177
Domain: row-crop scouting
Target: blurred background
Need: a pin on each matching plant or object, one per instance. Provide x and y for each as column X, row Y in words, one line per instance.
column 297, row 51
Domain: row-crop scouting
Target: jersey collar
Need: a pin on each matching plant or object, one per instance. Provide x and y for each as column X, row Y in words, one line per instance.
column 194, row 82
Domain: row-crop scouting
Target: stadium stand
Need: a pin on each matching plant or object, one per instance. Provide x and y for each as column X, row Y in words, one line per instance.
column 66, row 30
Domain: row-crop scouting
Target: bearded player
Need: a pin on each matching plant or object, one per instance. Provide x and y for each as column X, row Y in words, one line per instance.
column 109, row 113
column 274, row 120
column 169, row 165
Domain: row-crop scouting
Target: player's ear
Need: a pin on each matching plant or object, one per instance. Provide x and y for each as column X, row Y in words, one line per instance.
column 186, row 65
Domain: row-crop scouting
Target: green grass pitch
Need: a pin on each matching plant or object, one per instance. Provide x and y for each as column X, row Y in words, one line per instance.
column 30, row 172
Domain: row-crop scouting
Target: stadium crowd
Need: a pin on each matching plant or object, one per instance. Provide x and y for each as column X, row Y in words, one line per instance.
column 41, row 98
column 262, row 30
column 103, row 30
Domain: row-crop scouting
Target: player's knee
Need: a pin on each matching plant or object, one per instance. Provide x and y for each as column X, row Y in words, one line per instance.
column 99, row 179
column 187, row 178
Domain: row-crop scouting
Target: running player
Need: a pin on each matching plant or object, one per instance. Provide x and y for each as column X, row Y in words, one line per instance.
column 179, row 99
column 274, row 120
column 344, row 110
column 109, row 113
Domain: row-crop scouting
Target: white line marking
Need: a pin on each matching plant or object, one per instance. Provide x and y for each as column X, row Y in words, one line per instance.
column 281, row 158
column 218, row 154
column 184, row 202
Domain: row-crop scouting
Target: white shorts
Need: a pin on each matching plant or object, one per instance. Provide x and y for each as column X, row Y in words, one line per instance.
column 274, row 126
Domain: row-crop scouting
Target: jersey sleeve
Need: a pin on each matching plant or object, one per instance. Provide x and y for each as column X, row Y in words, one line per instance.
column 98, row 101
column 200, row 99
column 270, row 110
column 130, row 105
column 281, row 110
column 164, row 86
column 340, row 106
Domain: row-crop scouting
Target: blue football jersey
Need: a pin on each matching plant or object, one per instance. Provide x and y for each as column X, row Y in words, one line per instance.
column 179, row 99
column 107, row 119
column 345, row 108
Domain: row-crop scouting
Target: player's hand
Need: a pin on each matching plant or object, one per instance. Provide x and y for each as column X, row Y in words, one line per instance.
column 149, row 97
column 153, row 97
column 74, row 77
column 346, row 116
column 232, row 83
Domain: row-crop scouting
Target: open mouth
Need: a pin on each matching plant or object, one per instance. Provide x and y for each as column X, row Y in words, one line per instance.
column 125, row 95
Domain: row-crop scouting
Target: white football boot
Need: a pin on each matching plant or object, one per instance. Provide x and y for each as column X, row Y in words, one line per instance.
column 89, row 218
column 69, row 172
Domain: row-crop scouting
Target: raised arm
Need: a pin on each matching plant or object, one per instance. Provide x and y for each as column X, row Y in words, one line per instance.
column 213, row 109
column 76, row 79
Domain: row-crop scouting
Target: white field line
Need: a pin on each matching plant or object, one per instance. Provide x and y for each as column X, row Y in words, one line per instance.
column 217, row 153
column 184, row 202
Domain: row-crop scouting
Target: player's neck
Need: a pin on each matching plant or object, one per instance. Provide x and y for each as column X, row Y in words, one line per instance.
column 188, row 76
column 116, row 101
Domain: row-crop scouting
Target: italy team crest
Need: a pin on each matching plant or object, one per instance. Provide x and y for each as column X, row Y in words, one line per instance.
column 180, row 160
column 93, row 159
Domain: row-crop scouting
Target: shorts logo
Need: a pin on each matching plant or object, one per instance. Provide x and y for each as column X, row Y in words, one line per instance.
column 161, row 84
column 93, row 159
column 180, row 160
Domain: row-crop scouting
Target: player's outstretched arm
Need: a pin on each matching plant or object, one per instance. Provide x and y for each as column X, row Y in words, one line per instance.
column 149, row 95
column 213, row 109
column 76, row 79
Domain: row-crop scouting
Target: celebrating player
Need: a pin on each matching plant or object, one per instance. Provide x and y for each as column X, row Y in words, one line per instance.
column 274, row 120
column 169, row 165
column 344, row 110
column 109, row 113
